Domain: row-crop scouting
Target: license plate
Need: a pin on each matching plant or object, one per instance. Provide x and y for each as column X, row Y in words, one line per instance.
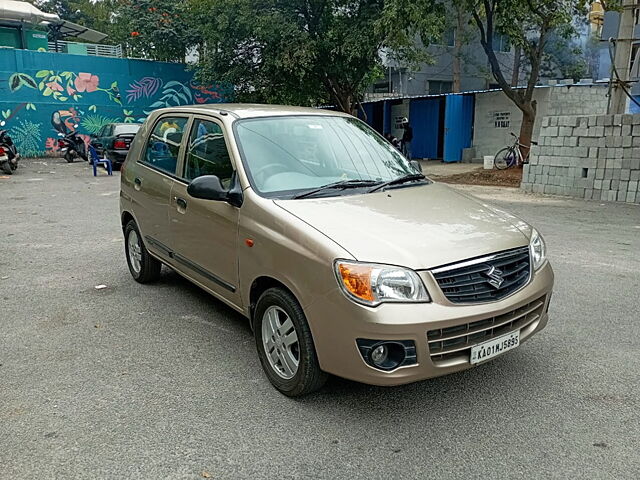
column 495, row 347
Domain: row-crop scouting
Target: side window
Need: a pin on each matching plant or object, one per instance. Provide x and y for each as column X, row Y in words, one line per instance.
column 102, row 132
column 164, row 142
column 207, row 153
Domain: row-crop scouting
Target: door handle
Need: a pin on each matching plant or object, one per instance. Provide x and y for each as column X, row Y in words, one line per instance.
column 137, row 183
column 181, row 202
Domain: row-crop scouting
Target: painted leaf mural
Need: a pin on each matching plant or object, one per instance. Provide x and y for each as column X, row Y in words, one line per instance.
column 174, row 94
column 27, row 136
column 94, row 122
column 145, row 87
column 51, row 93
column 18, row 79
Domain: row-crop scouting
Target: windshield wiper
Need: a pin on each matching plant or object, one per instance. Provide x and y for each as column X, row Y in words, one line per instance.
column 343, row 184
column 397, row 181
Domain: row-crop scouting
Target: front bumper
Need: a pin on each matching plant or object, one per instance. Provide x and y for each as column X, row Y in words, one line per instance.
column 337, row 322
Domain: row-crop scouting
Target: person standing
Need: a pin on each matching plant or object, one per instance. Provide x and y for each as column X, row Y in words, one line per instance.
column 407, row 137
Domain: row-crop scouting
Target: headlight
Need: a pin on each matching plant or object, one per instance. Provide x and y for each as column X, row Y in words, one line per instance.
column 372, row 284
column 538, row 249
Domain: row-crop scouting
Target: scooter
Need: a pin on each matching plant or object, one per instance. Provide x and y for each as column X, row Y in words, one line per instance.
column 73, row 146
column 9, row 155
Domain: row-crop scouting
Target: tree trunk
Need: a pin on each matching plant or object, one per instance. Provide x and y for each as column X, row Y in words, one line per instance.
column 457, row 51
column 526, row 129
column 455, row 86
column 515, row 75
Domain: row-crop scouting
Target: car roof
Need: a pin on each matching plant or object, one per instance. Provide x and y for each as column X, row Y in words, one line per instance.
column 253, row 110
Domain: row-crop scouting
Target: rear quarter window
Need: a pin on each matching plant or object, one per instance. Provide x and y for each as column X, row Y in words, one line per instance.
column 130, row 128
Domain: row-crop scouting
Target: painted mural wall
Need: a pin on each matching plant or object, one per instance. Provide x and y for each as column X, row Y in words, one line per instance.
column 42, row 94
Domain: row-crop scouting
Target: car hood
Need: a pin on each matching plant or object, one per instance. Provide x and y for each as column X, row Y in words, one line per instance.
column 420, row 227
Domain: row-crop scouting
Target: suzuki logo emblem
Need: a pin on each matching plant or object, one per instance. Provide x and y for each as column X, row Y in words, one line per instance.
column 495, row 277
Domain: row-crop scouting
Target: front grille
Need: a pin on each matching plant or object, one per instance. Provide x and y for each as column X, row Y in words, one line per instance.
column 453, row 342
column 470, row 281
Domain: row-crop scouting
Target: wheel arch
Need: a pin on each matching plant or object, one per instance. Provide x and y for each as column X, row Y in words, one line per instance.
column 260, row 285
column 126, row 217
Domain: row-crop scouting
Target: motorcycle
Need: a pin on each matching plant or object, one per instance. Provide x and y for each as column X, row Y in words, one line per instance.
column 9, row 155
column 73, row 146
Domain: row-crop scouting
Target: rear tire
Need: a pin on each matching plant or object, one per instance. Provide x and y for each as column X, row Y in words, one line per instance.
column 69, row 156
column 504, row 158
column 6, row 168
column 280, row 308
column 143, row 267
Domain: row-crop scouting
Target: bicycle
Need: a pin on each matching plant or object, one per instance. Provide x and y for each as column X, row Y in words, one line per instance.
column 511, row 156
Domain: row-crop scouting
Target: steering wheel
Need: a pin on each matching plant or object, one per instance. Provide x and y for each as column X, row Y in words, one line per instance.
column 271, row 166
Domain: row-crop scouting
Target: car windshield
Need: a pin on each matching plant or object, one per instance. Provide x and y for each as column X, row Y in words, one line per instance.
column 128, row 128
column 292, row 154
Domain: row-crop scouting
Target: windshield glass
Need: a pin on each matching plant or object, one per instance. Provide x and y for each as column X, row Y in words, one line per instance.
column 128, row 128
column 287, row 155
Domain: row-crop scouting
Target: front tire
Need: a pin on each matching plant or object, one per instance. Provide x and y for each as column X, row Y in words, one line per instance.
column 285, row 345
column 143, row 267
column 504, row 158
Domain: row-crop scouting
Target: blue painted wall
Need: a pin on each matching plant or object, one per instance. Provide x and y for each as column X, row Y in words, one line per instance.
column 43, row 93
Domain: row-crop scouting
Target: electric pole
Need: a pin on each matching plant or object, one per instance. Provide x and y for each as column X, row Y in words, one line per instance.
column 622, row 59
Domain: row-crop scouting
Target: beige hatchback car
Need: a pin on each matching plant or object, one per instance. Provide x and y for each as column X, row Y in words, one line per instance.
column 344, row 257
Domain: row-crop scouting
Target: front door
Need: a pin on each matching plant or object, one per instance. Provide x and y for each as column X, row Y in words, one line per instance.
column 154, row 175
column 204, row 233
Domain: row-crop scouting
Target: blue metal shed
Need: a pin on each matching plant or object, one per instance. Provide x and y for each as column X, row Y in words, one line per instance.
column 424, row 117
column 458, row 126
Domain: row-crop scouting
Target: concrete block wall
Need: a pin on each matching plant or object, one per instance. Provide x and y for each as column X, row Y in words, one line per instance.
column 577, row 100
column 488, row 137
column 593, row 157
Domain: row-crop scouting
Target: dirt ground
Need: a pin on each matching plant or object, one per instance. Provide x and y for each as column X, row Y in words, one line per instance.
column 498, row 178
column 471, row 174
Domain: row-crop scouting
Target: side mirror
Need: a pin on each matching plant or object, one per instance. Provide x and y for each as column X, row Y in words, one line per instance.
column 207, row 187
column 417, row 166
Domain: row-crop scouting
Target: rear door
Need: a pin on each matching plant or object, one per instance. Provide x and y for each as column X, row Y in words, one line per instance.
column 204, row 233
column 154, row 176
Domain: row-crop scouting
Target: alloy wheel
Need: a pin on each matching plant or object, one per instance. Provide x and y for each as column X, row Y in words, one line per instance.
column 280, row 341
column 135, row 251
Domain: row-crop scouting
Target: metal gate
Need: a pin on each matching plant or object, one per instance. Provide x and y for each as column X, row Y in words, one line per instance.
column 458, row 126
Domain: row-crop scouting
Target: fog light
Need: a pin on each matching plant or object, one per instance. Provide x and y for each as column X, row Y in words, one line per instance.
column 379, row 355
column 387, row 355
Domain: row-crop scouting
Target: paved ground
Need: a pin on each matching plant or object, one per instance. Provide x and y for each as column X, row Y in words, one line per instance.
column 438, row 168
column 162, row 381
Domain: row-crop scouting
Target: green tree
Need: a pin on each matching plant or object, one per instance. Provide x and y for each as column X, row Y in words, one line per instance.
column 308, row 51
column 529, row 24
column 155, row 29
column 65, row 9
